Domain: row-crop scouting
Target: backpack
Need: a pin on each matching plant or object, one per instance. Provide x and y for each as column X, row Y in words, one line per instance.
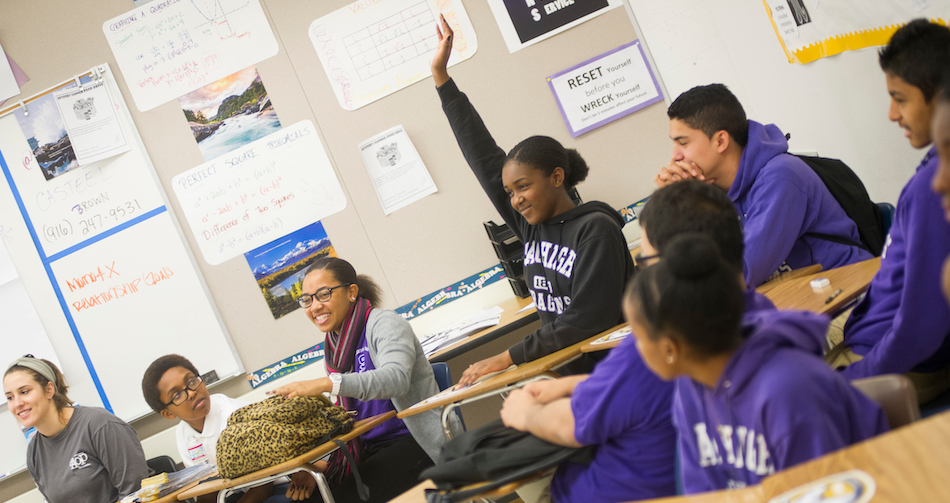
column 845, row 186
column 494, row 453
column 275, row 430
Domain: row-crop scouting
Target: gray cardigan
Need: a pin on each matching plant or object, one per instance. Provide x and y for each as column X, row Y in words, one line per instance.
column 403, row 374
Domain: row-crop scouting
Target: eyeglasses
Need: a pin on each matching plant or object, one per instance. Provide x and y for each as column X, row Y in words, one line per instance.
column 180, row 397
column 642, row 261
column 322, row 295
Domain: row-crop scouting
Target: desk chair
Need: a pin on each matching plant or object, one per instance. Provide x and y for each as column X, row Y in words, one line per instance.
column 443, row 377
column 895, row 394
column 161, row 464
column 885, row 213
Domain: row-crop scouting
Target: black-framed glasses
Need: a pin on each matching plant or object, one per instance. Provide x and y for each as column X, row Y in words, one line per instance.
column 322, row 295
column 642, row 261
column 180, row 397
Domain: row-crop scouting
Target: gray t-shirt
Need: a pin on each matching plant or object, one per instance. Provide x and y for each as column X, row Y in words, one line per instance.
column 97, row 458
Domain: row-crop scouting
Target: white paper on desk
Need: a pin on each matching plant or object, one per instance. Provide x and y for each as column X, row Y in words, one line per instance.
column 8, row 85
column 398, row 174
column 461, row 329
column 91, row 122
column 525, row 308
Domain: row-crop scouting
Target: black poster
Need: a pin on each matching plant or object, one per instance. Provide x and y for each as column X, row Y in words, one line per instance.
column 533, row 18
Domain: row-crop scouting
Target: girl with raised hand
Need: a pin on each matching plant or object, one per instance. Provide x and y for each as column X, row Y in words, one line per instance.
column 79, row 454
column 576, row 260
column 375, row 364
column 753, row 395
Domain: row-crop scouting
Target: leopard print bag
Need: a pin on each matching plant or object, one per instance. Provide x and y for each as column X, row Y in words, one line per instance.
column 275, row 430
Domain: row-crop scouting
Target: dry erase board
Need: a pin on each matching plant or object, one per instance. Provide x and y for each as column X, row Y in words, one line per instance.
column 107, row 268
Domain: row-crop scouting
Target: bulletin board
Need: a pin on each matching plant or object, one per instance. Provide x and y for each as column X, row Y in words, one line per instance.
column 107, row 269
column 411, row 252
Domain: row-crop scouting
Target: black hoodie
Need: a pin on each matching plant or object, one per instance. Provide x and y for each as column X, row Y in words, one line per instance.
column 576, row 264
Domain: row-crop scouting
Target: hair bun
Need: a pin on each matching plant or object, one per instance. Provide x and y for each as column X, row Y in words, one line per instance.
column 692, row 256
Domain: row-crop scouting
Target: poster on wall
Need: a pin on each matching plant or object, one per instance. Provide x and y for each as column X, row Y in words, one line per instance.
column 229, row 113
column 605, row 88
column 45, row 132
column 398, row 173
column 266, row 189
column 168, row 49
column 809, row 30
column 279, row 266
column 92, row 122
column 526, row 22
column 370, row 50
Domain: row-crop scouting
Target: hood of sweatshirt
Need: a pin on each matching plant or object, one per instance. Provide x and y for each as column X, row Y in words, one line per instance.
column 767, row 332
column 765, row 142
column 584, row 209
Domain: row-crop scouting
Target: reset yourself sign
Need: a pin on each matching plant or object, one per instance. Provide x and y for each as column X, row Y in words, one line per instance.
column 605, row 88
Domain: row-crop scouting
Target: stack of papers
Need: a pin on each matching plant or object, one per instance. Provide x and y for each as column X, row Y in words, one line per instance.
column 461, row 329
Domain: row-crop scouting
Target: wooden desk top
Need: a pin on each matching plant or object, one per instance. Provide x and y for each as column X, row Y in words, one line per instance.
column 511, row 320
column 907, row 464
column 602, row 342
column 852, row 279
column 500, row 380
column 359, row 428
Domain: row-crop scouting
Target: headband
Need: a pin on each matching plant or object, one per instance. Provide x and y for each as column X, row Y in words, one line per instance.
column 37, row 365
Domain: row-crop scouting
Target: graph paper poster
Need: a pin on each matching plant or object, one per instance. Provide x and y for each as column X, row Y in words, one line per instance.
column 813, row 29
column 371, row 49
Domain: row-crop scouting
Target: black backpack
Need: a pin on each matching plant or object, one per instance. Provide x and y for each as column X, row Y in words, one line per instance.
column 495, row 453
column 847, row 189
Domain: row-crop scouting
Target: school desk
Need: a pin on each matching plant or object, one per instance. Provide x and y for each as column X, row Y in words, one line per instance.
column 605, row 340
column 300, row 463
column 511, row 320
column 539, row 369
column 852, row 280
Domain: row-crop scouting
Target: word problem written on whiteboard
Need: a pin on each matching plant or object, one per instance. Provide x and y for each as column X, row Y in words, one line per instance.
column 169, row 48
column 253, row 195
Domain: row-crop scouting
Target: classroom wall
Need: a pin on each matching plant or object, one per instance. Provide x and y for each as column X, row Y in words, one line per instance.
column 835, row 106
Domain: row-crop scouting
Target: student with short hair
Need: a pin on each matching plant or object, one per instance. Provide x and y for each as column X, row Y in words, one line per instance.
column 752, row 394
column 173, row 388
column 902, row 325
column 622, row 407
column 79, row 454
column 575, row 257
column 375, row 364
column 782, row 201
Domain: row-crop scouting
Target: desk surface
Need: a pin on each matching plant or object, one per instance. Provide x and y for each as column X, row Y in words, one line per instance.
column 359, row 428
column 500, row 380
column 511, row 320
column 852, row 279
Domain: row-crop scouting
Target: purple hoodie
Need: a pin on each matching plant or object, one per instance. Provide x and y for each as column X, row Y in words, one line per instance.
column 780, row 199
column 777, row 404
column 903, row 322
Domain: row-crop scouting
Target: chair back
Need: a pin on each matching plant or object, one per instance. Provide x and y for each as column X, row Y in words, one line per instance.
column 895, row 394
column 443, row 378
column 886, row 215
column 161, row 464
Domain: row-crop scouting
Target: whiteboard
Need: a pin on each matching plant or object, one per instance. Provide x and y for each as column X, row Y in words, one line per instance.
column 115, row 286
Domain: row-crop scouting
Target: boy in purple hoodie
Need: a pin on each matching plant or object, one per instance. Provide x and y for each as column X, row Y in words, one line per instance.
column 752, row 395
column 782, row 202
column 902, row 324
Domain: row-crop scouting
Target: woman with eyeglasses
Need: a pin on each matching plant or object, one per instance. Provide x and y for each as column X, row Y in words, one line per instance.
column 78, row 454
column 576, row 260
column 375, row 364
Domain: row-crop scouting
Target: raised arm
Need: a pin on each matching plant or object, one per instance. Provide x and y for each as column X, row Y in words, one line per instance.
column 483, row 155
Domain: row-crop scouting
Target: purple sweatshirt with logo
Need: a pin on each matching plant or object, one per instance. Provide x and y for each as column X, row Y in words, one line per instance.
column 776, row 404
column 903, row 322
column 780, row 199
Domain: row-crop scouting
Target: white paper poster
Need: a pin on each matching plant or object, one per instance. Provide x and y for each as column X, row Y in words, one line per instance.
column 266, row 189
column 168, row 48
column 91, row 122
column 605, row 88
column 372, row 49
column 8, row 85
column 526, row 22
column 398, row 174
